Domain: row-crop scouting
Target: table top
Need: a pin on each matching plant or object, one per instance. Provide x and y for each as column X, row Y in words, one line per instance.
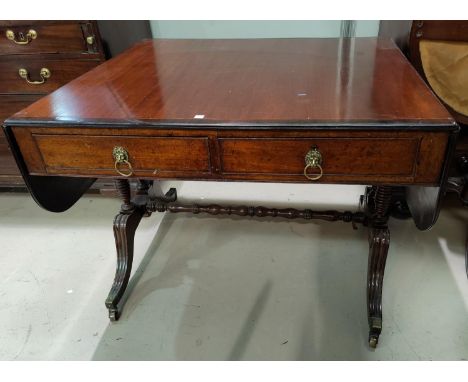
column 252, row 82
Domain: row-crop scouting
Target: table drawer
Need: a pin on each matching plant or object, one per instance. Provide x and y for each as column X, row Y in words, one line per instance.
column 37, row 38
column 149, row 156
column 341, row 156
column 355, row 157
column 61, row 72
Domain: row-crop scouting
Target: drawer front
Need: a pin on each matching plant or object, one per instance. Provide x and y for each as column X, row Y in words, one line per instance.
column 156, row 156
column 355, row 157
column 11, row 104
column 61, row 72
column 399, row 158
column 45, row 38
column 7, row 162
column 343, row 156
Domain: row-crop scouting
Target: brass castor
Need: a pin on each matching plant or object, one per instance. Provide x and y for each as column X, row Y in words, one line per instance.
column 113, row 314
column 373, row 341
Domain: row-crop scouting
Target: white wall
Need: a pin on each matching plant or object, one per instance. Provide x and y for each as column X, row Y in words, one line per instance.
column 258, row 28
column 367, row 28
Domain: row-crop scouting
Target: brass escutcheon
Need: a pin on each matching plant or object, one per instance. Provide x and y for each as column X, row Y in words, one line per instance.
column 44, row 73
column 313, row 159
column 23, row 39
column 121, row 157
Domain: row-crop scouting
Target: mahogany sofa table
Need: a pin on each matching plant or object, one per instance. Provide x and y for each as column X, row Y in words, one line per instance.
column 349, row 111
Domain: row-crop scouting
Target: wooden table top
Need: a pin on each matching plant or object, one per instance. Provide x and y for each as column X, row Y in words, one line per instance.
column 258, row 82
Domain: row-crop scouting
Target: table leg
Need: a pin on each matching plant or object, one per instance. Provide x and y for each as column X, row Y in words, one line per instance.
column 466, row 256
column 125, row 225
column 379, row 240
column 378, row 199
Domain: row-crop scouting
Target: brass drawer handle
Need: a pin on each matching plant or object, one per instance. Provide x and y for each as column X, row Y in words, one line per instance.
column 313, row 159
column 44, row 73
column 23, row 40
column 121, row 157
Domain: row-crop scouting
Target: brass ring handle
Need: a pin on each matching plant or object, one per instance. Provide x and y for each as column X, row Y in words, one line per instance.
column 23, row 40
column 316, row 177
column 121, row 157
column 44, row 73
column 130, row 168
column 313, row 159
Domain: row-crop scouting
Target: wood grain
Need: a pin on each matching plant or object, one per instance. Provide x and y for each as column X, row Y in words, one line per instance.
column 341, row 156
column 148, row 155
column 253, row 82
column 260, row 106
column 53, row 38
column 62, row 71
column 10, row 104
column 357, row 157
column 59, row 44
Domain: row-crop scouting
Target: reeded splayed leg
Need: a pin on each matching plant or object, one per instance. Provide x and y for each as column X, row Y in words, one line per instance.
column 378, row 204
column 379, row 241
column 466, row 256
column 125, row 225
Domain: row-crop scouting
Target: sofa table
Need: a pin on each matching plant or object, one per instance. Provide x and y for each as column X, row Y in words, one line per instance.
column 349, row 111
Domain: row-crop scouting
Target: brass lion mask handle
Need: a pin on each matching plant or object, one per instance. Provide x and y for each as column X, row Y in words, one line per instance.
column 313, row 160
column 44, row 73
column 121, row 159
column 23, row 39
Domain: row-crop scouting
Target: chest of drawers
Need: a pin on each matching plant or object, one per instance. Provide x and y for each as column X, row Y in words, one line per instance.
column 36, row 58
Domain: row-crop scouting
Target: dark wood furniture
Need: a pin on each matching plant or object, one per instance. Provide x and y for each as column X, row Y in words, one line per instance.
column 446, row 31
column 436, row 30
column 63, row 50
column 350, row 111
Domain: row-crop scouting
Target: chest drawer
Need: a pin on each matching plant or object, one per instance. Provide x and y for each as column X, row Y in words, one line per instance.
column 148, row 156
column 44, row 38
column 7, row 162
column 59, row 73
column 10, row 104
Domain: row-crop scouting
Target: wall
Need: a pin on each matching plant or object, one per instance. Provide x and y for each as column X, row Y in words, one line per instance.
column 398, row 30
column 260, row 28
column 119, row 35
